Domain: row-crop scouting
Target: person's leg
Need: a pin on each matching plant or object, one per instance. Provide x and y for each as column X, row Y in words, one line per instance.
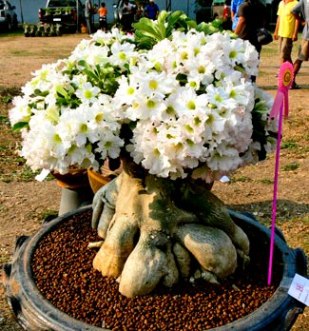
column 280, row 50
column 302, row 56
column 286, row 50
column 297, row 65
column 88, row 22
column 102, row 26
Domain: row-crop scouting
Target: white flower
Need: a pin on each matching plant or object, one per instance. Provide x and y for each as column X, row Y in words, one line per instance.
column 127, row 92
column 154, row 84
column 143, row 108
column 224, row 159
column 87, row 93
column 21, row 111
column 122, row 53
column 188, row 102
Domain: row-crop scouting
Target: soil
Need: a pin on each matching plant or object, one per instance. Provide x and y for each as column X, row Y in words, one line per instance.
column 74, row 286
column 24, row 202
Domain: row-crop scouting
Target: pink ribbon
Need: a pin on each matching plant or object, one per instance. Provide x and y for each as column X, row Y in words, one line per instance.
column 285, row 80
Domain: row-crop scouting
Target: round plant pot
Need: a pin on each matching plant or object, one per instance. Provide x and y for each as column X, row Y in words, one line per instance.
column 35, row 313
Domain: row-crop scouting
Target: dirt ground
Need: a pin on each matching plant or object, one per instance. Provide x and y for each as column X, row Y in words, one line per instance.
column 24, row 202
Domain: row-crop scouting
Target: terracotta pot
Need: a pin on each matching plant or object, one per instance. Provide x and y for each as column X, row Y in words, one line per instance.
column 83, row 29
column 73, row 180
column 96, row 180
column 35, row 313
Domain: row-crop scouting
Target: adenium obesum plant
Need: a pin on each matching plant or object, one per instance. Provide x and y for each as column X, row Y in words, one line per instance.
column 175, row 101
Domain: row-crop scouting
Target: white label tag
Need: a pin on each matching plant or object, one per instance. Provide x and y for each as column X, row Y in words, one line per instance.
column 299, row 289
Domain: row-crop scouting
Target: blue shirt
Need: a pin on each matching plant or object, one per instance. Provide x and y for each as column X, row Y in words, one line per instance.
column 152, row 11
column 234, row 8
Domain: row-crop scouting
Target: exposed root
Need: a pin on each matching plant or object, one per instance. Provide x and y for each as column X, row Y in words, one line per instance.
column 156, row 231
column 95, row 244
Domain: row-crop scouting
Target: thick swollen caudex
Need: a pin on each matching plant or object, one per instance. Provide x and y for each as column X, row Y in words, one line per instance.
column 152, row 234
column 137, row 210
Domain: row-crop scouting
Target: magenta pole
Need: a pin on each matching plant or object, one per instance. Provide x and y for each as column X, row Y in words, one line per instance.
column 274, row 205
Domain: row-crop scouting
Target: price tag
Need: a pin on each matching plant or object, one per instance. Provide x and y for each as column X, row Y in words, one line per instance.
column 299, row 289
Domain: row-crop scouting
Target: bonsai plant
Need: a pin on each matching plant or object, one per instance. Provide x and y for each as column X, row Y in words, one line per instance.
column 176, row 104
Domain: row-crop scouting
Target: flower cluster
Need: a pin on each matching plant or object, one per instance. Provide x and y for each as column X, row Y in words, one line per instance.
column 189, row 104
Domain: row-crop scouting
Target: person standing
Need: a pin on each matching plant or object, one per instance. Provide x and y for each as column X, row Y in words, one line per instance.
column 152, row 10
column 286, row 29
column 252, row 16
column 227, row 18
column 127, row 18
column 88, row 15
column 102, row 11
column 301, row 12
column 234, row 12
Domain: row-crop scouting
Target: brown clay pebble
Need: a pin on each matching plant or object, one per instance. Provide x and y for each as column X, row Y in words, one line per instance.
column 62, row 269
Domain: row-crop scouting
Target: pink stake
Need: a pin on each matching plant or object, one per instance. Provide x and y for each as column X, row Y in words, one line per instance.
column 285, row 79
column 274, row 204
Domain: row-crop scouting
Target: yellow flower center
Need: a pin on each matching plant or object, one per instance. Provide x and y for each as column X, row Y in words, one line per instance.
column 191, row 105
column 88, row 94
column 57, row 138
column 83, row 127
column 99, row 117
column 178, row 146
column 233, row 54
column 197, row 121
column 184, row 56
column 122, row 56
column 170, row 110
column 153, row 84
column 108, row 144
column 189, row 128
column 193, row 84
column 201, row 70
column 131, row 90
column 232, row 94
column 151, row 104
column 156, row 152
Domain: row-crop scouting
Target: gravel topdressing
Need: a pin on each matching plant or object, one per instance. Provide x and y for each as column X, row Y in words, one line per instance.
column 63, row 273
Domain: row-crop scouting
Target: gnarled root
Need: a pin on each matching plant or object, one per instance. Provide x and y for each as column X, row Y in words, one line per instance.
column 211, row 211
column 155, row 232
column 211, row 247
column 150, row 262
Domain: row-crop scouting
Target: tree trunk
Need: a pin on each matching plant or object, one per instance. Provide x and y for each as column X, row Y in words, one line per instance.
column 157, row 231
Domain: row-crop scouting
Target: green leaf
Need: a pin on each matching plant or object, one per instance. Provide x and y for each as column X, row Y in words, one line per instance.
column 149, row 32
column 148, row 28
column 20, row 125
column 40, row 93
column 82, row 63
column 61, row 91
